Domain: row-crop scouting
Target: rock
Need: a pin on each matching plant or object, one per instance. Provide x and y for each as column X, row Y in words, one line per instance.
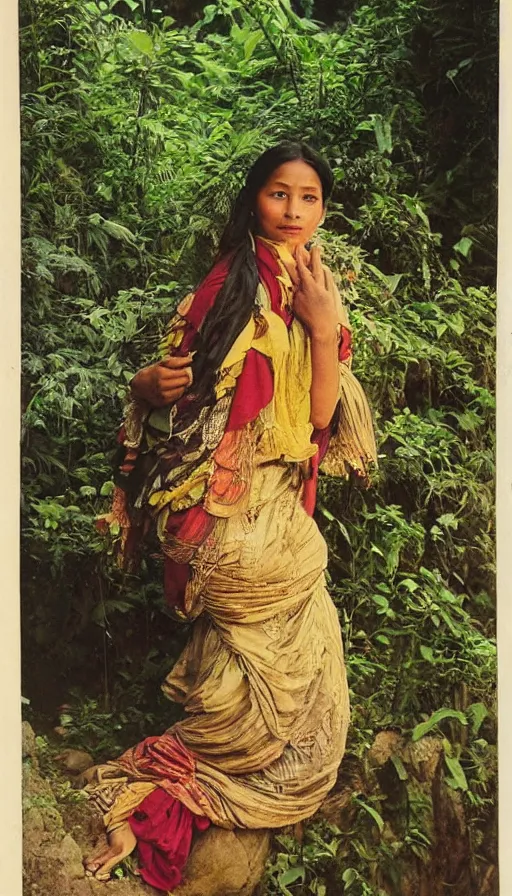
column 225, row 863
column 38, row 795
column 61, row 731
column 33, row 820
column 75, row 761
column 28, row 742
column 70, row 855
column 35, row 788
column 424, row 756
column 52, row 820
column 385, row 745
column 33, row 832
column 86, row 777
column 339, row 809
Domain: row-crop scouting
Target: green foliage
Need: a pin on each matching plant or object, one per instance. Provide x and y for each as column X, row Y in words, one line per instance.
column 137, row 130
column 304, row 863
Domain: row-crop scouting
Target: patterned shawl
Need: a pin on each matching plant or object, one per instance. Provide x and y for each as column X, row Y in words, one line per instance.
column 187, row 464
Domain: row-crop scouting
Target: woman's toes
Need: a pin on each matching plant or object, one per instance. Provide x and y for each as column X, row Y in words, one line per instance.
column 96, row 860
column 122, row 843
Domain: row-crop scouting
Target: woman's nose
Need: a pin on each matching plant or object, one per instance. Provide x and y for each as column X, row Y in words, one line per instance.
column 292, row 209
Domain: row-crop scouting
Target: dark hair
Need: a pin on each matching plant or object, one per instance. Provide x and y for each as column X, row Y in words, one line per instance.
column 236, row 298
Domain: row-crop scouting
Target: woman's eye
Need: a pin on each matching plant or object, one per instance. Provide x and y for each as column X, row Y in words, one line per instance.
column 310, row 197
column 279, row 194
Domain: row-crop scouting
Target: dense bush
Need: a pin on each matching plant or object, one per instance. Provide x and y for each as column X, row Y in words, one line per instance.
column 137, row 129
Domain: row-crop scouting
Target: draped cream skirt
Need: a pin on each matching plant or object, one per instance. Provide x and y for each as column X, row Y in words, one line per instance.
column 262, row 680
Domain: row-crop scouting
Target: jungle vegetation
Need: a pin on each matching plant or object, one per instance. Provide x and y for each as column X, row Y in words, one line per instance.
column 138, row 122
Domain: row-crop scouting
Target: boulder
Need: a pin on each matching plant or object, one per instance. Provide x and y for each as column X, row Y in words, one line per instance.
column 385, row 745
column 70, row 856
column 28, row 742
column 74, row 762
column 225, row 863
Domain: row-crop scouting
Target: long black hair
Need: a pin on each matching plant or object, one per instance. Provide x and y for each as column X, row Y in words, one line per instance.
column 235, row 301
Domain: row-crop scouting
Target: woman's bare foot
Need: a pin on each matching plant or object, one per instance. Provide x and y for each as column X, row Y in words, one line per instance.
column 121, row 843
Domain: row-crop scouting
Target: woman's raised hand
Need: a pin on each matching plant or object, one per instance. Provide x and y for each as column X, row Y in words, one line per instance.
column 314, row 303
column 163, row 383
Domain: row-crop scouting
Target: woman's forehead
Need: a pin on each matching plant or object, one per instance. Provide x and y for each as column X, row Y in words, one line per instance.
column 295, row 173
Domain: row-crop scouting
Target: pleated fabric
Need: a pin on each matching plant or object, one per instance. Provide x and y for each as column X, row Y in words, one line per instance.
column 262, row 680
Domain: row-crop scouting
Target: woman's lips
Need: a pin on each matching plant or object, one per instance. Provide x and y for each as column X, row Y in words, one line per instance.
column 290, row 229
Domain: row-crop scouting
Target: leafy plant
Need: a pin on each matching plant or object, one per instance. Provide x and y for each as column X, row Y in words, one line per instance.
column 138, row 125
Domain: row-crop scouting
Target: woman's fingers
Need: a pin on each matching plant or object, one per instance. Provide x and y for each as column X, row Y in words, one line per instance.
column 175, row 378
column 316, row 265
column 175, row 362
column 167, row 396
column 302, row 268
column 163, row 397
column 164, row 382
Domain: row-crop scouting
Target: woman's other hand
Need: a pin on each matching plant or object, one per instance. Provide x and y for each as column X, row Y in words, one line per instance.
column 316, row 306
column 314, row 303
column 163, row 383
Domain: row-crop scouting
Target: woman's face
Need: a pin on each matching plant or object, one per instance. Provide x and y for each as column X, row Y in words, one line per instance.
column 289, row 207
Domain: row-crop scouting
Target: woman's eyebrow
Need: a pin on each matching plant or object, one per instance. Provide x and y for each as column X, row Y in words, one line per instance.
column 282, row 183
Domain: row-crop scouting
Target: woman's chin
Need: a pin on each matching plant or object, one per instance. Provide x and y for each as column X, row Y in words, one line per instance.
column 291, row 242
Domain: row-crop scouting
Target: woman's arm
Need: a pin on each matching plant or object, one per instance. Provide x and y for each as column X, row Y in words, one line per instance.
column 324, row 384
column 315, row 305
column 163, row 383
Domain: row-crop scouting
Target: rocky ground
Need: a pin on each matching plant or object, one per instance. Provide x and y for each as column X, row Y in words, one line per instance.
column 60, row 828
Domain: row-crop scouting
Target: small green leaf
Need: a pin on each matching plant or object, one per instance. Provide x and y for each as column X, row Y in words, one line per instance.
column 449, row 520
column 425, row 270
column 119, row 232
column 410, row 584
column 141, row 41
column 476, row 713
column 377, row 817
column 349, row 876
column 400, row 768
column 458, row 779
column 292, row 875
column 427, row 653
column 329, row 516
column 251, row 43
column 318, row 888
column 382, row 130
column 381, row 601
column 464, row 246
column 438, row 716
column 87, row 491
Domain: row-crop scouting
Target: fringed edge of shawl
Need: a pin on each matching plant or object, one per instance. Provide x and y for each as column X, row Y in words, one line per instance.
column 352, row 446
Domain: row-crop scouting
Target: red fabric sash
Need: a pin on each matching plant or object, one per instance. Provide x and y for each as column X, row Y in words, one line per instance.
column 164, row 828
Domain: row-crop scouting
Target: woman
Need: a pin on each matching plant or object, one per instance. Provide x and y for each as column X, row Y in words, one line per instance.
column 221, row 448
